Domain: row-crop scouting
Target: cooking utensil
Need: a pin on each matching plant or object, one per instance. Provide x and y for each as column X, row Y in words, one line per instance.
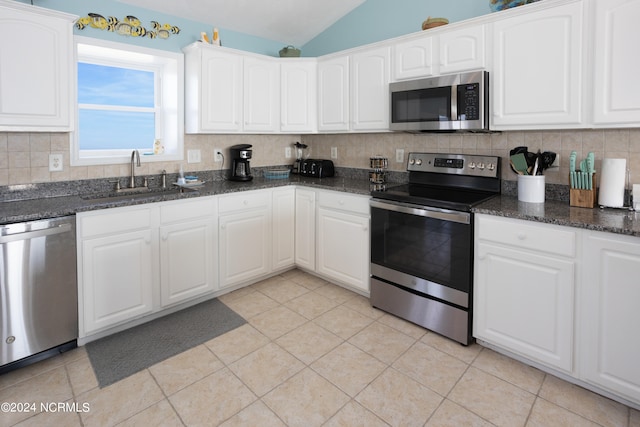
column 519, row 164
column 591, row 162
column 572, row 168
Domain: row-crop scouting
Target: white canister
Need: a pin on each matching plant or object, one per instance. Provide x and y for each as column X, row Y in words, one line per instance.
column 531, row 188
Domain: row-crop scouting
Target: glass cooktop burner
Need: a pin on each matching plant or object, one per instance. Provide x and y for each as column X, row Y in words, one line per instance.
column 440, row 197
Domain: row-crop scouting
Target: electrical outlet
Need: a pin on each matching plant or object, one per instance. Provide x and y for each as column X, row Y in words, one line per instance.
column 193, row 156
column 334, row 152
column 55, row 162
column 400, row 155
column 287, row 152
column 556, row 162
column 217, row 155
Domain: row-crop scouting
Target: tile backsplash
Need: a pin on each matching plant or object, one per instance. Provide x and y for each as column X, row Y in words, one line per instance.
column 354, row 150
column 24, row 157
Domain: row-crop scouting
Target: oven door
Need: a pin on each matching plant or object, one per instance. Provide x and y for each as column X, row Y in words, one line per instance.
column 427, row 250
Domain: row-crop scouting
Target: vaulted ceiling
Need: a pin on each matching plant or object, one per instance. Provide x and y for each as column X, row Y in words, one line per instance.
column 292, row 22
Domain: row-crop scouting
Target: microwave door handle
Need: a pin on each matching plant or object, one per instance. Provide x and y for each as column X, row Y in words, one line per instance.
column 454, row 103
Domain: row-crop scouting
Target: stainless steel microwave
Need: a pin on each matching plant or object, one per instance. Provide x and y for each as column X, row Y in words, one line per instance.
column 457, row 102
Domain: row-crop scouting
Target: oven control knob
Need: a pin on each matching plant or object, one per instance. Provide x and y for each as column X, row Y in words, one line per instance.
column 481, row 166
column 491, row 166
column 418, row 162
column 472, row 165
column 411, row 161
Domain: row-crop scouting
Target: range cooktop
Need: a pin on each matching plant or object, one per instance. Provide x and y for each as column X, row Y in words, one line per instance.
column 447, row 181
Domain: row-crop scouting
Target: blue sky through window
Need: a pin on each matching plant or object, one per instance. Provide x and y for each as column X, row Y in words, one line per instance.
column 119, row 89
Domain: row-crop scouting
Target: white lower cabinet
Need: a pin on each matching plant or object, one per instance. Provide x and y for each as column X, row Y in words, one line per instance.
column 528, row 302
column 135, row 261
column 343, row 238
column 283, row 226
column 244, row 228
column 117, row 266
column 188, row 254
column 305, row 229
column 524, row 289
column 610, row 293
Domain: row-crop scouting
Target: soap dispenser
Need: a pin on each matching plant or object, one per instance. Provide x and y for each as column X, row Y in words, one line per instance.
column 181, row 180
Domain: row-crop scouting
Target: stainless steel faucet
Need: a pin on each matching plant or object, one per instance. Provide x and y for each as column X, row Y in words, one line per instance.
column 132, row 180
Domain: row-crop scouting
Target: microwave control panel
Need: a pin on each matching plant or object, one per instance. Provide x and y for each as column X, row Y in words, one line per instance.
column 469, row 101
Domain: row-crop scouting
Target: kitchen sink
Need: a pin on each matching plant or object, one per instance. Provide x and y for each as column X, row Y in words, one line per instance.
column 133, row 194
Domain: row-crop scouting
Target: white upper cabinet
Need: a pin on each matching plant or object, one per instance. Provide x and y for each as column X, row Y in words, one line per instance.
column 261, row 95
column 444, row 52
column 370, row 76
column 213, row 90
column 298, row 112
column 537, row 79
column 36, row 68
column 462, row 50
column 414, row 58
column 333, row 94
column 617, row 63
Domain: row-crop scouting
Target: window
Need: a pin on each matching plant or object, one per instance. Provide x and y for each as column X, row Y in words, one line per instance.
column 127, row 98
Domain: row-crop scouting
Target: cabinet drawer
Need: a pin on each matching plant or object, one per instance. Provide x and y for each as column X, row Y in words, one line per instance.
column 182, row 210
column 527, row 235
column 114, row 221
column 243, row 201
column 344, row 202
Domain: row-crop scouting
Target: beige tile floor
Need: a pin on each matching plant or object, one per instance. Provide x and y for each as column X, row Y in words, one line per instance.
column 313, row 354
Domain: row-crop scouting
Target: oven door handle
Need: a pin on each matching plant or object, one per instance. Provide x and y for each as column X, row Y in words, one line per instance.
column 425, row 211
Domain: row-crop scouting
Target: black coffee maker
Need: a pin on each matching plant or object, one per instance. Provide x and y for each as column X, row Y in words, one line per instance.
column 240, row 169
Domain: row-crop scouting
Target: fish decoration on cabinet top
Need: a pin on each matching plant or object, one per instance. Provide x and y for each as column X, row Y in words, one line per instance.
column 129, row 26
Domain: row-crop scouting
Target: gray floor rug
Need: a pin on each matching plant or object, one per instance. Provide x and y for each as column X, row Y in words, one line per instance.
column 117, row 356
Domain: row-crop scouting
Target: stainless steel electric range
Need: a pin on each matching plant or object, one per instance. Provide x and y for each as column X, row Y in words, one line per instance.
column 422, row 240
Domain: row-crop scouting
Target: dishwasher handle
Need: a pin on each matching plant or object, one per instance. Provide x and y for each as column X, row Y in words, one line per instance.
column 26, row 235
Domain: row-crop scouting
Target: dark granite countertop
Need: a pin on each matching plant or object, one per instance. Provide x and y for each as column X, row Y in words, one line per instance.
column 56, row 206
column 620, row 221
column 43, row 205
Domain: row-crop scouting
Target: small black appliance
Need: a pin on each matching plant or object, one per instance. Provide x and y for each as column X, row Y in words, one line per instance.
column 240, row 168
column 317, row 168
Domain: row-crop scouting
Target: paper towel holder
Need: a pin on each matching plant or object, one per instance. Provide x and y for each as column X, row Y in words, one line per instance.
column 614, row 184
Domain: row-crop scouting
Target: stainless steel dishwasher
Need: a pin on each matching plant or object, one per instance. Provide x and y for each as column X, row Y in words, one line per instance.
column 38, row 290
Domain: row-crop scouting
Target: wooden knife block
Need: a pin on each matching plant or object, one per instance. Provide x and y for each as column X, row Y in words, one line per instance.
column 584, row 198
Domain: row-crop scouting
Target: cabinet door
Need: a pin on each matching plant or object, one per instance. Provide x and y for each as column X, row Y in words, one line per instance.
column 610, row 347
column 117, row 278
column 283, row 228
column 305, row 231
column 343, row 247
column 244, row 246
column 261, row 95
column 462, row 50
column 333, row 94
column 187, row 260
column 221, row 92
column 298, row 96
column 523, row 302
column 370, row 89
column 36, row 69
column 617, row 97
column 414, row 58
column 538, row 69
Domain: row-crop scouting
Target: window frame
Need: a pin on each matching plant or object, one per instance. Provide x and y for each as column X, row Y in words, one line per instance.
column 169, row 86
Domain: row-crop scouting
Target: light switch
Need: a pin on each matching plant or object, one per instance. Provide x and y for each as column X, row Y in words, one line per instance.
column 334, row 152
column 193, row 156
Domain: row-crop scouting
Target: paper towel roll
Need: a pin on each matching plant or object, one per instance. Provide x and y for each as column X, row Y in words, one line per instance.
column 612, row 183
